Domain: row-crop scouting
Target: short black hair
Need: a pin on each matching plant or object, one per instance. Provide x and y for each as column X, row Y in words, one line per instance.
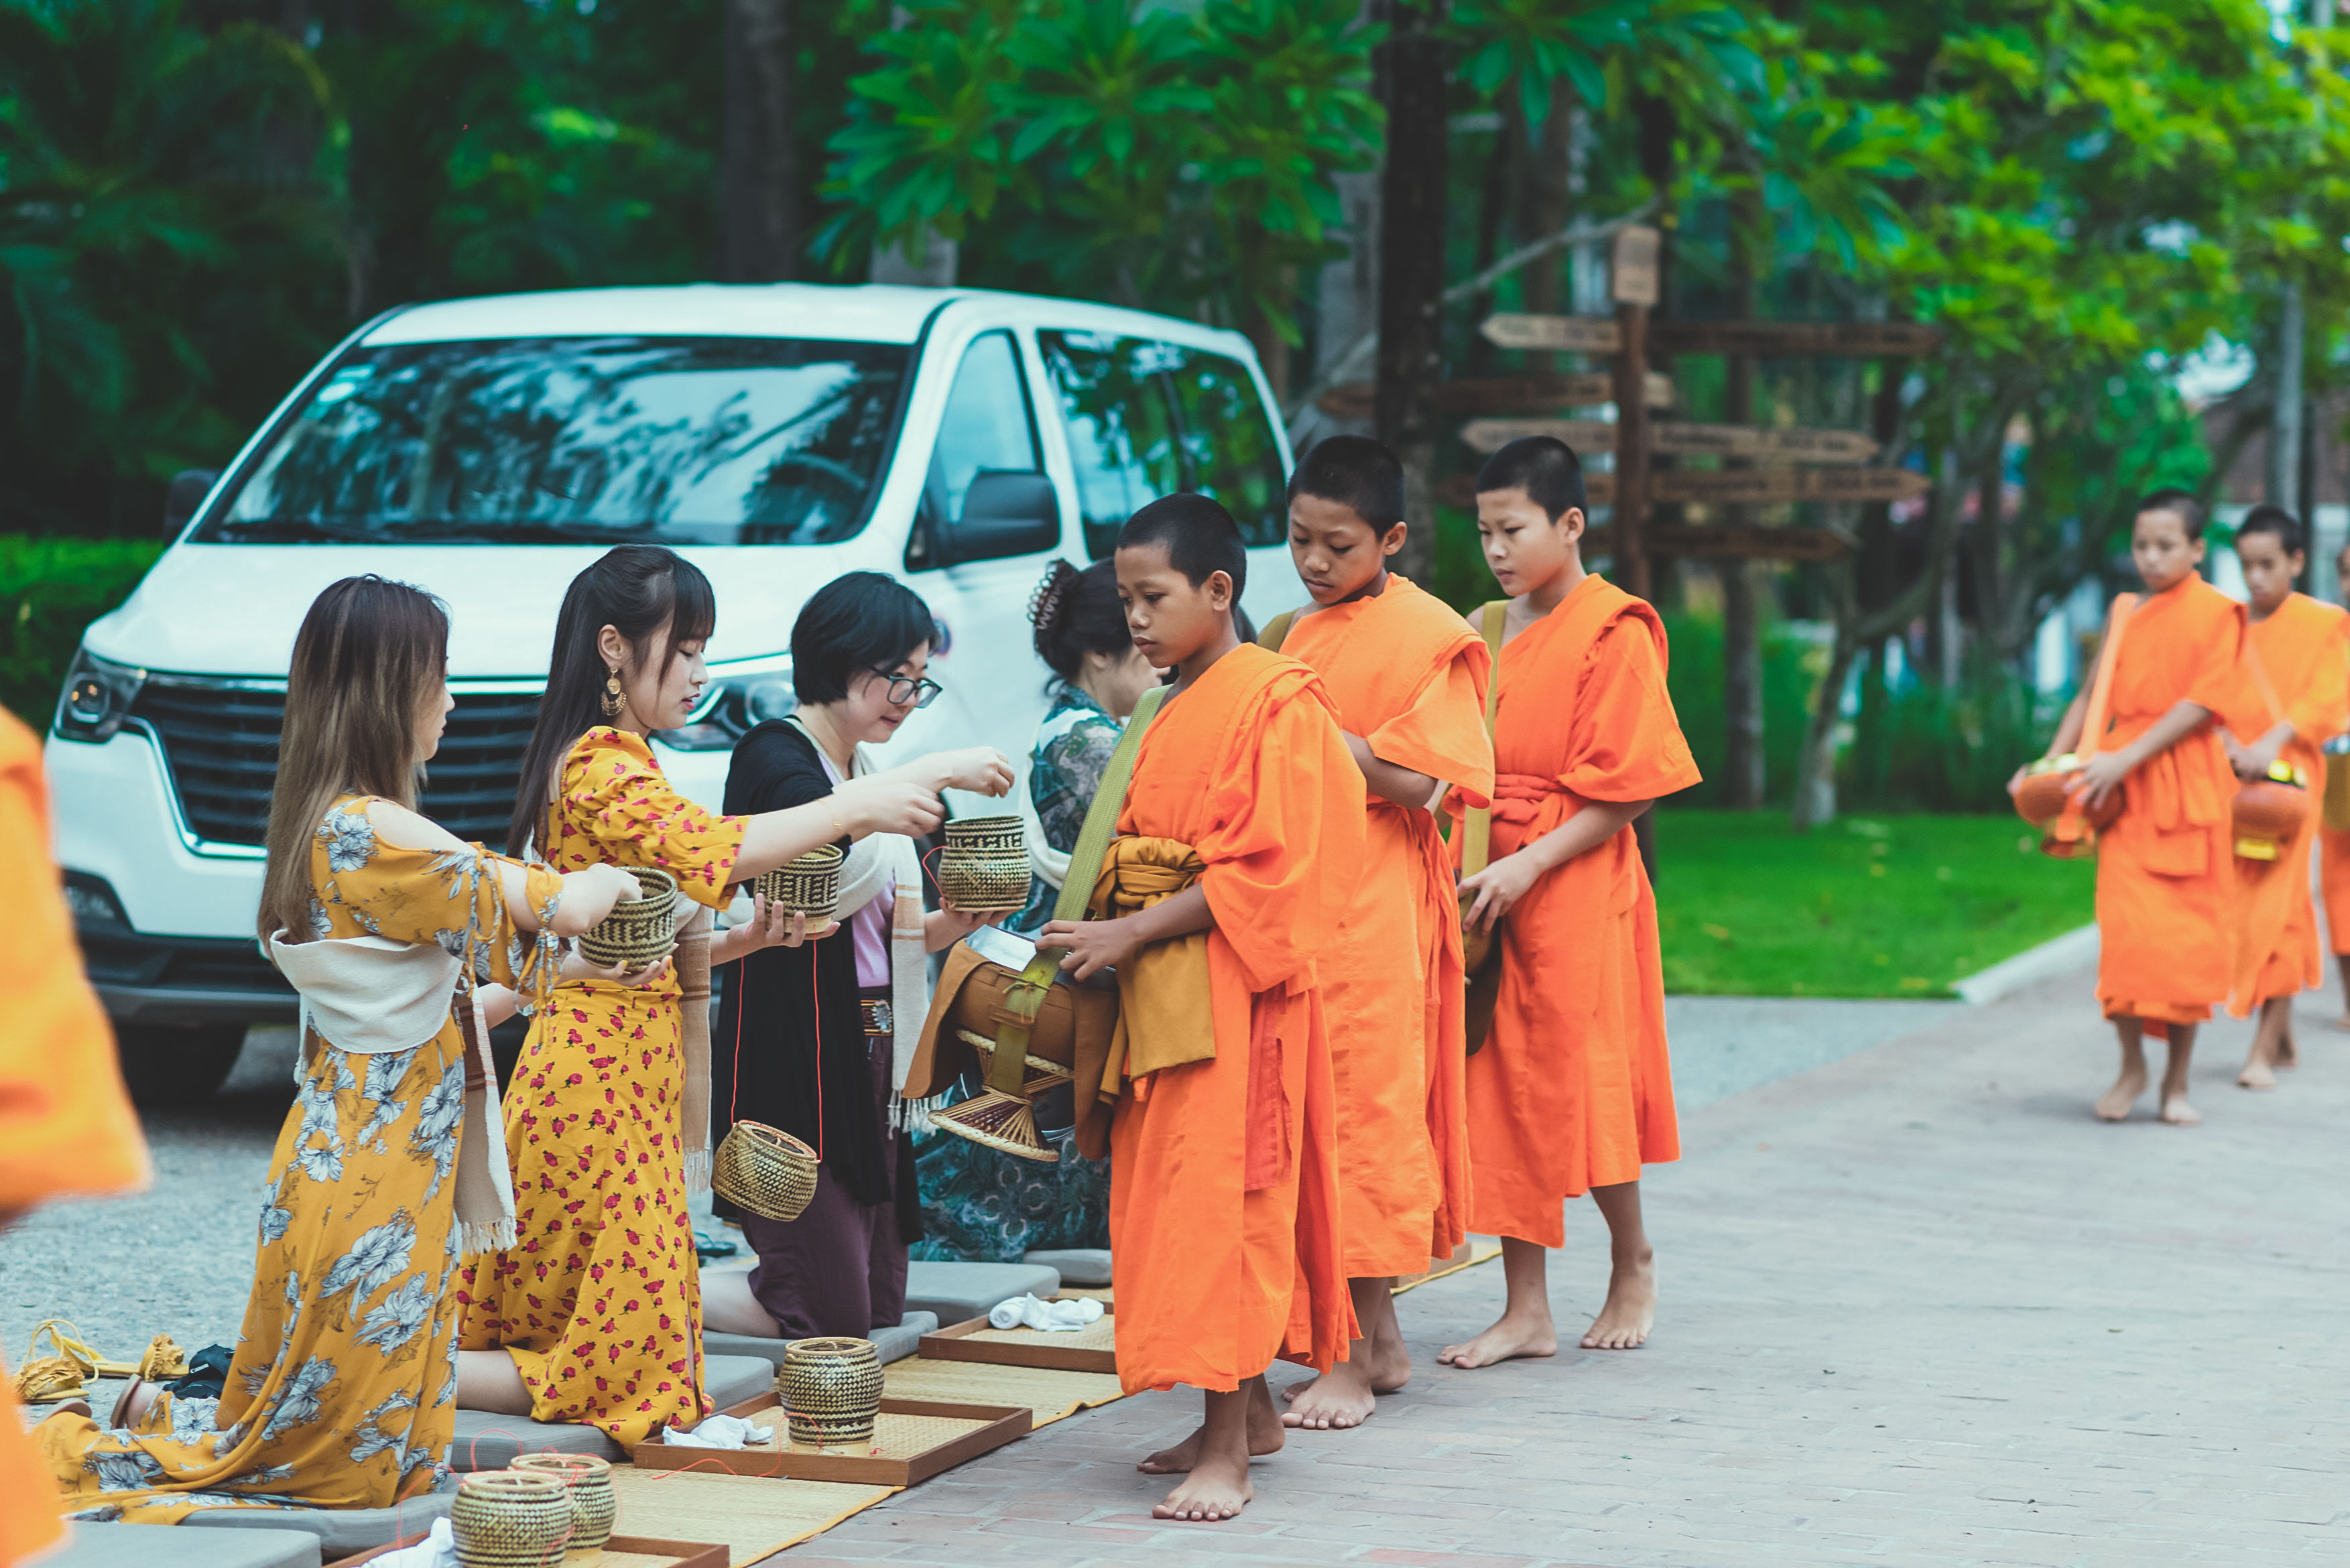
column 1199, row 535
column 865, row 620
column 1544, row 467
column 1356, row 473
column 2268, row 518
column 2179, row 504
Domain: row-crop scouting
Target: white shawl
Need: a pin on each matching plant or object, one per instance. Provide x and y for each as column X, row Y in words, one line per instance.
column 371, row 995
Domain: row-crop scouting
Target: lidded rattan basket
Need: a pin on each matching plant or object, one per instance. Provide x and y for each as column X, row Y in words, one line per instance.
column 594, row 1506
column 808, row 886
column 638, row 931
column 763, row 1171
column 984, row 863
column 510, row 1518
column 831, row 1390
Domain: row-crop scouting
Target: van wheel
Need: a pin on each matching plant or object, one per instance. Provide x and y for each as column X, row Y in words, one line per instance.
column 166, row 1067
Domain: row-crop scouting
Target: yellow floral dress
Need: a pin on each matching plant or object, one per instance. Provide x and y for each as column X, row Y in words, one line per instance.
column 342, row 1393
column 600, row 1300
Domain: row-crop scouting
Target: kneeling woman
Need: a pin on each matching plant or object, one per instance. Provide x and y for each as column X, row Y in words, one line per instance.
column 595, row 1315
column 815, row 1040
column 341, row 1394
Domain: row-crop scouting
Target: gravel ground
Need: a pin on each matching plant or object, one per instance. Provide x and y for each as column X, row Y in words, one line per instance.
column 178, row 1258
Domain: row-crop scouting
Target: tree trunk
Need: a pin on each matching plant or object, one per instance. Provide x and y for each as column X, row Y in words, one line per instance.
column 1413, row 81
column 758, row 170
column 1743, row 784
column 1546, row 194
column 1990, row 562
column 2284, row 432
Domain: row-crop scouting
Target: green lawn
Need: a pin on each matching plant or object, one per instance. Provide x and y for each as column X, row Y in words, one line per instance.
column 1869, row 906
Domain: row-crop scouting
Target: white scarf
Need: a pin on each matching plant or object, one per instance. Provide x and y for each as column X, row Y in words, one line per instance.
column 371, row 995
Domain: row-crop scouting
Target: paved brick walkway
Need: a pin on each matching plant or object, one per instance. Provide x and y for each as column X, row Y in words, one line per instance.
column 1919, row 1308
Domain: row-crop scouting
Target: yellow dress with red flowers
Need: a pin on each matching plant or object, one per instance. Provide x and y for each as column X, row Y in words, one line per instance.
column 599, row 1299
column 342, row 1393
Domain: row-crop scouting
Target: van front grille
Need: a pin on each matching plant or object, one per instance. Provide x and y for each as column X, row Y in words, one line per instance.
column 220, row 744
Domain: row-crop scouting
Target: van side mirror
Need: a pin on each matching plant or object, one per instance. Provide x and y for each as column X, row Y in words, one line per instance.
column 189, row 488
column 1004, row 513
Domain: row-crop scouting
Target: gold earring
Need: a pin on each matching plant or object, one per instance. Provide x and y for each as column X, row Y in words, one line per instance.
column 615, row 700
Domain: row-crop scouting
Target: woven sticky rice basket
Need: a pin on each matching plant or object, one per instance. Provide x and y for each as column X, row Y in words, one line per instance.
column 808, row 886
column 594, row 1505
column 831, row 1390
column 2040, row 798
column 984, row 863
column 638, row 931
column 763, row 1171
column 510, row 1518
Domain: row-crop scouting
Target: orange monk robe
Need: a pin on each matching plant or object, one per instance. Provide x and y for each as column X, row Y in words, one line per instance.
column 1409, row 679
column 2166, row 869
column 66, row 1124
column 1573, row 1089
column 2334, row 882
column 2303, row 649
column 1213, row 1282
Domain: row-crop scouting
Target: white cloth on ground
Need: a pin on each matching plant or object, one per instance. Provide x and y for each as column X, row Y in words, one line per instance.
column 437, row 1550
column 1051, row 1317
column 721, row 1432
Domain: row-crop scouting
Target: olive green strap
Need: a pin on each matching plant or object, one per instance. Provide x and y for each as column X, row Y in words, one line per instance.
column 1276, row 631
column 1476, row 845
column 1025, row 997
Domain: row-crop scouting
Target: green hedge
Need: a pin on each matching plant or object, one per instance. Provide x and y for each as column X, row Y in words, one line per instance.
column 50, row 590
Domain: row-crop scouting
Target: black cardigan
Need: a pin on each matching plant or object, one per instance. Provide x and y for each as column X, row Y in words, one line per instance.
column 803, row 1001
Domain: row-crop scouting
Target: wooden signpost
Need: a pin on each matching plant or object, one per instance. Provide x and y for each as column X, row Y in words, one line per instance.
column 1501, row 394
column 1635, row 438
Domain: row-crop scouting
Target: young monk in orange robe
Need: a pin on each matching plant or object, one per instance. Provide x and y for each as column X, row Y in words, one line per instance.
column 1410, row 683
column 66, row 1124
column 2292, row 697
column 1237, row 853
column 1572, row 1090
column 2166, row 868
column 2333, row 860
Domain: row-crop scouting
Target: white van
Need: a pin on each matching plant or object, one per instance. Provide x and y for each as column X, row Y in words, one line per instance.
column 488, row 449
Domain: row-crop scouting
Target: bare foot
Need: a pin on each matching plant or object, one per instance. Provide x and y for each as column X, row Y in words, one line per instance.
column 1344, row 1396
column 1511, row 1337
column 2255, row 1076
column 2116, row 1102
column 2288, row 1050
column 1630, row 1309
column 1264, row 1437
column 2179, row 1113
column 1214, row 1492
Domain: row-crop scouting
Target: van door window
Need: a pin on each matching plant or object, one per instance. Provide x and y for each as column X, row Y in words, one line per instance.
column 1120, row 415
column 988, row 428
column 1228, row 444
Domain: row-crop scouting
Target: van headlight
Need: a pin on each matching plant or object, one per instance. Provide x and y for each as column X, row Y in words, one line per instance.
column 737, row 698
column 97, row 697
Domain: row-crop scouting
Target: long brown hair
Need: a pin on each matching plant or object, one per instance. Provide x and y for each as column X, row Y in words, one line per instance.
column 370, row 655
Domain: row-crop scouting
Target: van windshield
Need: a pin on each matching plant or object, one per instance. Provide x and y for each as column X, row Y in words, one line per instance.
column 676, row 441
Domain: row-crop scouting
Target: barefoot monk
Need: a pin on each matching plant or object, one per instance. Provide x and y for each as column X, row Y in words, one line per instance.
column 1571, row 1091
column 2292, row 697
column 1410, row 683
column 1237, row 851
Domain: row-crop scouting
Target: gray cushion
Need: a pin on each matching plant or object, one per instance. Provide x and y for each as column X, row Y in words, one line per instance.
column 1076, row 1265
column 960, row 1292
column 341, row 1532
column 136, row 1545
column 488, row 1442
column 894, row 1343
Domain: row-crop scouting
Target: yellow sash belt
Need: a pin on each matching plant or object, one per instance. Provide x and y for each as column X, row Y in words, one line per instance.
column 1164, row 1017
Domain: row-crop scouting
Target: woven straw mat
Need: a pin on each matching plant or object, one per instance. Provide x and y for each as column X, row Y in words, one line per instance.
column 752, row 1516
column 1099, row 1334
column 1051, row 1394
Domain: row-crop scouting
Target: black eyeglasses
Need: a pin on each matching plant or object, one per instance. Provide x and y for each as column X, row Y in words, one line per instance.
column 908, row 690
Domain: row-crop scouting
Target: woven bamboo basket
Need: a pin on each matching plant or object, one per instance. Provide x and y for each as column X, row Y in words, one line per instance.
column 595, row 1508
column 763, row 1171
column 2268, row 812
column 831, row 1390
column 808, row 886
column 639, row 931
column 510, row 1518
column 984, row 864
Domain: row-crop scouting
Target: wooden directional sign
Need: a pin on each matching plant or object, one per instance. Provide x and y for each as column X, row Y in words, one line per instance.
column 1788, row 340
column 1500, row 395
column 1764, row 487
column 1559, row 333
column 1746, row 441
column 1583, row 435
column 1632, row 265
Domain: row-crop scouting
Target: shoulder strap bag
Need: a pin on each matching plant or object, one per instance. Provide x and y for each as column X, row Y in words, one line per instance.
column 1481, row 951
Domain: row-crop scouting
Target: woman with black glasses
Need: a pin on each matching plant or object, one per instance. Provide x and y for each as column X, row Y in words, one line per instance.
column 816, row 1039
